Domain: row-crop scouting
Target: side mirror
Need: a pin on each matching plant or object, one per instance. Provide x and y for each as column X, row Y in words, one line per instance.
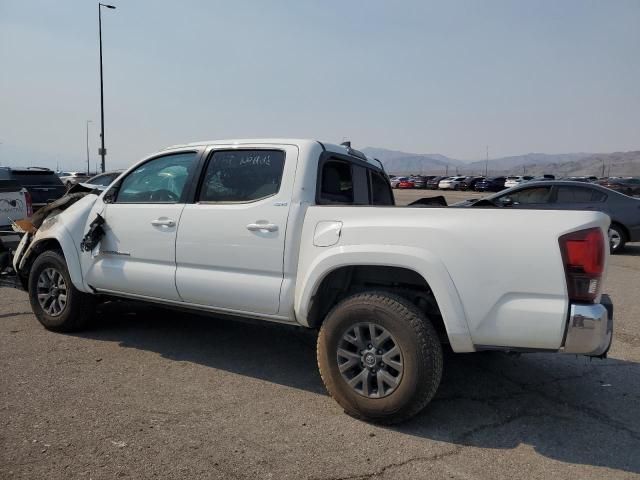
column 506, row 202
column 111, row 195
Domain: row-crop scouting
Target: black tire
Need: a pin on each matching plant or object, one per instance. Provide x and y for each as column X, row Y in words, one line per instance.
column 619, row 232
column 412, row 333
column 79, row 307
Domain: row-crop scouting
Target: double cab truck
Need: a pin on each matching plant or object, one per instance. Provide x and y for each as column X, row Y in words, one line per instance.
column 307, row 233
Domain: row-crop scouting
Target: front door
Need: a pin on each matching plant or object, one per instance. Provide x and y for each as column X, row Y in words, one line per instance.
column 230, row 245
column 137, row 253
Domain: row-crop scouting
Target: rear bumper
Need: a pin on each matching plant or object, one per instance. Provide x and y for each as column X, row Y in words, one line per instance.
column 589, row 328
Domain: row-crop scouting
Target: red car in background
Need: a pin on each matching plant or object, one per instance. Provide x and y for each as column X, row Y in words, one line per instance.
column 405, row 184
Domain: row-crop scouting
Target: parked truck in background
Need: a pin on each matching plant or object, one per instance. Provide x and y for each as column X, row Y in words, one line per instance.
column 15, row 204
column 307, row 233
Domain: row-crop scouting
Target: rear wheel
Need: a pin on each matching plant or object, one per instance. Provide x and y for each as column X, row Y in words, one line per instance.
column 56, row 303
column 379, row 357
column 617, row 238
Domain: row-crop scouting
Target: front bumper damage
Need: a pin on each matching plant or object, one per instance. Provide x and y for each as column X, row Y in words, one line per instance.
column 589, row 328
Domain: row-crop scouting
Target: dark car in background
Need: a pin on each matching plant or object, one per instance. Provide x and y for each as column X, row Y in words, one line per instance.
column 103, row 179
column 469, row 183
column 419, row 181
column 432, row 183
column 491, row 184
column 628, row 186
column 43, row 184
column 623, row 210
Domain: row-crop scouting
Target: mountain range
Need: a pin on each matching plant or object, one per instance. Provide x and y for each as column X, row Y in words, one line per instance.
column 562, row 164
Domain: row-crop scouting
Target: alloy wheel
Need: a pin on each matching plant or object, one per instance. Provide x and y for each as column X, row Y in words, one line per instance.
column 52, row 291
column 370, row 360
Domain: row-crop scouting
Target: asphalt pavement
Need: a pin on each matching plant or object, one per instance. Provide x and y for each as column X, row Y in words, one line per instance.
column 153, row 393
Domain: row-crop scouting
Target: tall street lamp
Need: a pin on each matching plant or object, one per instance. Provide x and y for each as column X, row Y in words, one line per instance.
column 88, row 165
column 102, row 151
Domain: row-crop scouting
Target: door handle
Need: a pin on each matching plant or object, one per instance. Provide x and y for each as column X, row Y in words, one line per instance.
column 163, row 222
column 259, row 227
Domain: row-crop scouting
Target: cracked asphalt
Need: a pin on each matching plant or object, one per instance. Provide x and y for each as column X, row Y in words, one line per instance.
column 153, row 393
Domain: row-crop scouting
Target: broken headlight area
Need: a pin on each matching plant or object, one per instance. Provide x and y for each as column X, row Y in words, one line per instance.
column 94, row 235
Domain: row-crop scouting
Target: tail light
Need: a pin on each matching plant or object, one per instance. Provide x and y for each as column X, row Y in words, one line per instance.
column 27, row 197
column 583, row 254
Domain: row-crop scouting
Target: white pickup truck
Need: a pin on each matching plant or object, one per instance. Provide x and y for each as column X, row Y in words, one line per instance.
column 306, row 233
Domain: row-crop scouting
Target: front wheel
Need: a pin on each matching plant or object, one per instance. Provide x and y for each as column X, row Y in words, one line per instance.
column 379, row 357
column 56, row 303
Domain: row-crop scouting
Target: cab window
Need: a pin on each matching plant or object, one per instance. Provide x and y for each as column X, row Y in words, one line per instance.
column 380, row 190
column 336, row 183
column 161, row 180
column 242, row 175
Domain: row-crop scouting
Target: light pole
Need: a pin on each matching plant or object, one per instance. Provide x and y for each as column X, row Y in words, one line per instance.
column 88, row 165
column 486, row 163
column 103, row 151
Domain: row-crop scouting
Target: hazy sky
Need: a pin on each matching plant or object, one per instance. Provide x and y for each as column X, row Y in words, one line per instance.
column 447, row 77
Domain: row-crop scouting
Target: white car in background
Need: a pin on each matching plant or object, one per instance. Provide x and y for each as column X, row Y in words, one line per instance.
column 451, row 183
column 71, row 178
column 514, row 181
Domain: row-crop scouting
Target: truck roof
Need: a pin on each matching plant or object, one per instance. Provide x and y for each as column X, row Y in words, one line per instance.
column 300, row 142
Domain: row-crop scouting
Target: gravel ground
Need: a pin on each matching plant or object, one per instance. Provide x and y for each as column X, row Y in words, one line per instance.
column 151, row 393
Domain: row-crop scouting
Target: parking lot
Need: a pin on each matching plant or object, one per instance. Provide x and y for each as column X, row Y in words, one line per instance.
column 151, row 393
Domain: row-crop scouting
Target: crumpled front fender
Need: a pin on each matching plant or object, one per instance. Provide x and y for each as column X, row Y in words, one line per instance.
column 61, row 229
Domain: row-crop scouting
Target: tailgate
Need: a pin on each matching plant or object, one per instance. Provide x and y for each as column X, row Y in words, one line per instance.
column 13, row 205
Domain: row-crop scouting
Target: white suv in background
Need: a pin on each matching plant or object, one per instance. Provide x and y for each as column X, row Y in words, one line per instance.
column 451, row 183
column 514, row 181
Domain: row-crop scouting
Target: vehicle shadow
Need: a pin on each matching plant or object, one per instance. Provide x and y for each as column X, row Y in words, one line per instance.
column 569, row 409
column 632, row 249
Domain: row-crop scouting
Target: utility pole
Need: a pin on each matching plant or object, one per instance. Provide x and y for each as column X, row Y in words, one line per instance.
column 88, row 165
column 486, row 163
column 603, row 167
column 103, row 151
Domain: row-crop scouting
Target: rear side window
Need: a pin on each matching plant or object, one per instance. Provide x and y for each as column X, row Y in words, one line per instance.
column 380, row 190
column 568, row 194
column 242, row 175
column 336, row 183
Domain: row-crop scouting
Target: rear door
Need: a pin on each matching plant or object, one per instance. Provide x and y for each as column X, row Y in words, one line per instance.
column 230, row 242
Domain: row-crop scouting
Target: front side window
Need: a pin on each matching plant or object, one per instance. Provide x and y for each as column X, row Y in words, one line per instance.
column 568, row 194
column 531, row 195
column 161, row 180
column 242, row 175
column 336, row 183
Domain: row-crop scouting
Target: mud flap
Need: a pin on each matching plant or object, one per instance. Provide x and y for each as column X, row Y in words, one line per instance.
column 8, row 277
